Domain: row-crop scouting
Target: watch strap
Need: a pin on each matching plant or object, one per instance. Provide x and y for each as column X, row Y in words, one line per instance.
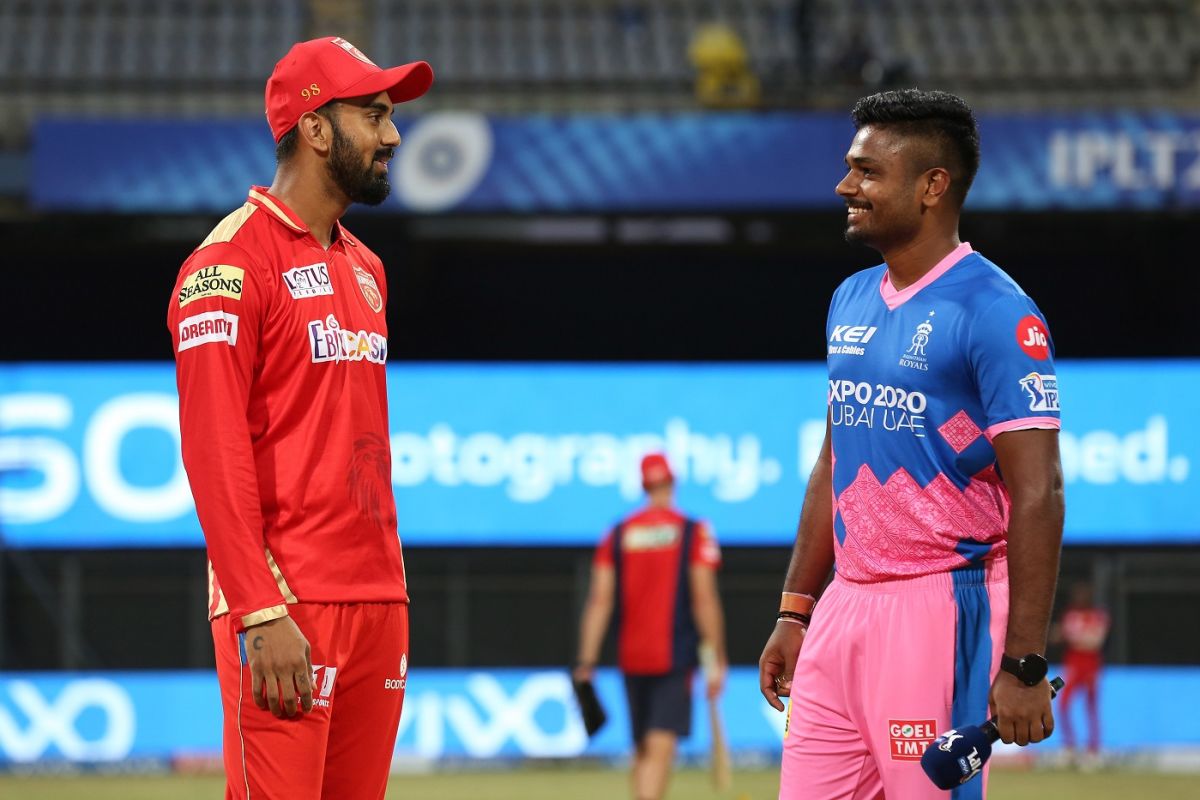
column 1010, row 665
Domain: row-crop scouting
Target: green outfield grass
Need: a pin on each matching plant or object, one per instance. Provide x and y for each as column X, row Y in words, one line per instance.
column 598, row 784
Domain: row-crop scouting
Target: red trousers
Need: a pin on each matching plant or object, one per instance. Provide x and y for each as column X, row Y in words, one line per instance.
column 1083, row 674
column 343, row 747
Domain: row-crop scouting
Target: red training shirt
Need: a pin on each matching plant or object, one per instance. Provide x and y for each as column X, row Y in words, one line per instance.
column 280, row 347
column 1084, row 631
column 655, row 630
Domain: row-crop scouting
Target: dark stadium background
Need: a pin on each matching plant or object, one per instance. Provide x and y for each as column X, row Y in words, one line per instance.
column 475, row 289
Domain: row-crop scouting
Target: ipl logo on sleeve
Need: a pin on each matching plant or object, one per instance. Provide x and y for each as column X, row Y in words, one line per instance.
column 1042, row 391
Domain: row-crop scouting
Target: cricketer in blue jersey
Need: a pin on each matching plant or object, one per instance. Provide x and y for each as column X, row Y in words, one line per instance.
column 937, row 498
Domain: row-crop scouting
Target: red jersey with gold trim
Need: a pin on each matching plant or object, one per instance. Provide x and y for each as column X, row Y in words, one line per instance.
column 650, row 553
column 280, row 349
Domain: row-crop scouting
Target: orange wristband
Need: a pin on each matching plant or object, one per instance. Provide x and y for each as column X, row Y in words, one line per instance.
column 797, row 603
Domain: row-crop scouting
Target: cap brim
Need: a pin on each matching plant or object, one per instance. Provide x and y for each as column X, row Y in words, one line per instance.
column 403, row 83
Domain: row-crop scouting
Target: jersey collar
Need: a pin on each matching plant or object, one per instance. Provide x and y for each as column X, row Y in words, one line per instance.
column 893, row 299
column 262, row 198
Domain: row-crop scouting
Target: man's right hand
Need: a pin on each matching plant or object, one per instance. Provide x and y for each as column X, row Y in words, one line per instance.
column 281, row 667
column 778, row 662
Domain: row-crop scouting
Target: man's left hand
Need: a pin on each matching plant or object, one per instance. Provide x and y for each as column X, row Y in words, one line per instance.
column 1023, row 713
column 714, row 680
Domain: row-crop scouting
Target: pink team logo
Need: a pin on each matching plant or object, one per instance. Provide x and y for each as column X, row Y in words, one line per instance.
column 1033, row 337
column 910, row 737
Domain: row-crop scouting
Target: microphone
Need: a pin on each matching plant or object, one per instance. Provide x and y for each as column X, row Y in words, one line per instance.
column 958, row 755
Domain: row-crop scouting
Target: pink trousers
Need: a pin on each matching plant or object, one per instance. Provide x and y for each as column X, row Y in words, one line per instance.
column 885, row 668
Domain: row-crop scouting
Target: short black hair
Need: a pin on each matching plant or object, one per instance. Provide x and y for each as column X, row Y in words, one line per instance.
column 943, row 118
column 285, row 148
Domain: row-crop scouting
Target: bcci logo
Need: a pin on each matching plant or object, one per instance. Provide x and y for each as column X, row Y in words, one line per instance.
column 1042, row 391
column 398, row 684
column 914, row 357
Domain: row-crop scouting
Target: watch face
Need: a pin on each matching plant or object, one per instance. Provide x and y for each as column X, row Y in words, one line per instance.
column 1033, row 668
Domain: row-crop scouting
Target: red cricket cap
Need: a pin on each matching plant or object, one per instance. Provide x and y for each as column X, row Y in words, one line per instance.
column 320, row 70
column 655, row 470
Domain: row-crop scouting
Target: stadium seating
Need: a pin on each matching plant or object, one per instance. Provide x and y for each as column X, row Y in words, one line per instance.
column 206, row 56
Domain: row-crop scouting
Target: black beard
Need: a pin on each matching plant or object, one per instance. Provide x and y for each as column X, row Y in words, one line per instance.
column 345, row 167
column 856, row 237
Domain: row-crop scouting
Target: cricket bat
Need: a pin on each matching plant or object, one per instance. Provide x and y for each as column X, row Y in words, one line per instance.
column 719, row 761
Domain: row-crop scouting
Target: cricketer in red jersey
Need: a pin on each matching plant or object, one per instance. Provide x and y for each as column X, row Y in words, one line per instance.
column 280, row 345
column 1082, row 629
column 657, row 568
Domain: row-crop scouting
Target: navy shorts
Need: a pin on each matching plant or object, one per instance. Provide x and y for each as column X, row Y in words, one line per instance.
column 660, row 702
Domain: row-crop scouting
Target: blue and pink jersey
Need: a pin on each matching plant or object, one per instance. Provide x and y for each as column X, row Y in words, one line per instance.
column 920, row 382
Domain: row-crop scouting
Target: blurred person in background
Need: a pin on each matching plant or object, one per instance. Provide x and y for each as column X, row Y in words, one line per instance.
column 657, row 570
column 938, row 490
column 723, row 75
column 280, row 343
column 1082, row 630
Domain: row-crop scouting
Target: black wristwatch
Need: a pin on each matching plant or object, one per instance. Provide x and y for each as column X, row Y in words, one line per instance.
column 1030, row 670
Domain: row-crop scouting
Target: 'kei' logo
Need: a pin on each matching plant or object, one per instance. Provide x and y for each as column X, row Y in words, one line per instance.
column 849, row 339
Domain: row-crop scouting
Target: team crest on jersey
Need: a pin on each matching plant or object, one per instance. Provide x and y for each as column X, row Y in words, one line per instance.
column 1042, row 391
column 370, row 289
column 915, row 356
column 352, row 50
